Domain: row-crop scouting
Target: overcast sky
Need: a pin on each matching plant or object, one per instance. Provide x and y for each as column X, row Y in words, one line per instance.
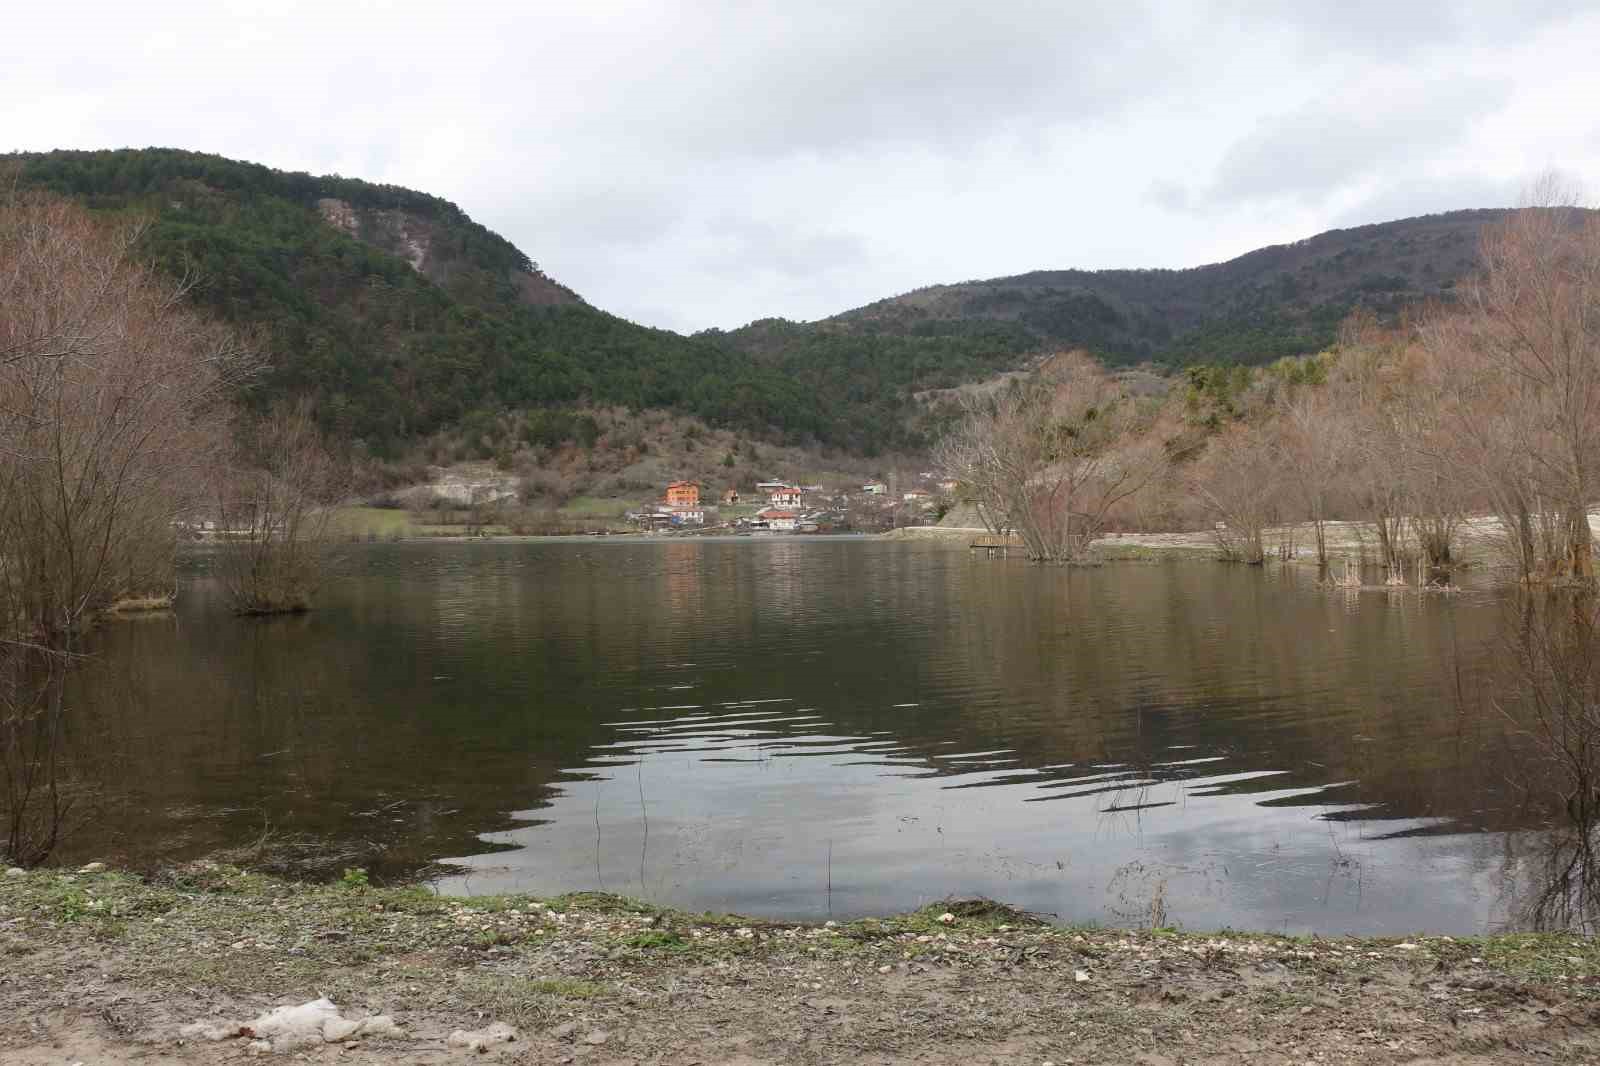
column 704, row 164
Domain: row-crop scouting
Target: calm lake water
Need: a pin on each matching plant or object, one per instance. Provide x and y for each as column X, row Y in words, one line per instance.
column 811, row 727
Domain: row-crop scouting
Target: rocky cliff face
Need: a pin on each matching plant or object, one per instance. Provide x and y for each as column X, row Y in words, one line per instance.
column 413, row 238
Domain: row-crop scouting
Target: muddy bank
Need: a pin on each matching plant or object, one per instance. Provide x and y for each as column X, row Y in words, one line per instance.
column 105, row 967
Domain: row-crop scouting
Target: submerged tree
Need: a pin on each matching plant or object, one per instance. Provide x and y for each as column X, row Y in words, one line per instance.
column 1318, row 443
column 110, row 392
column 1052, row 456
column 275, row 503
column 1240, row 482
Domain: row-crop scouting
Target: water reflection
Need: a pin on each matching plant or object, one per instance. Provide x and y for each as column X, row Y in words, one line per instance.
column 835, row 726
column 1551, row 700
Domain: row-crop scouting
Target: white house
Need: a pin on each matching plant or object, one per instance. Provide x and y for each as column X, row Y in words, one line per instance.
column 779, row 519
column 684, row 514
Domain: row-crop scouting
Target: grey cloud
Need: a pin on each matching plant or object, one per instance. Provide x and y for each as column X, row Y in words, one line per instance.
column 1169, row 194
column 795, row 251
column 607, row 212
column 1427, row 197
column 788, row 80
column 695, row 163
column 1383, row 27
column 1315, row 150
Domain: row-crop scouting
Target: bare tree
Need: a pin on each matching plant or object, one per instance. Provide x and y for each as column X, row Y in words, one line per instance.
column 968, row 454
column 107, row 382
column 275, row 504
column 1414, row 418
column 1529, row 339
column 1317, row 442
column 1051, row 456
column 38, row 800
column 1553, row 706
column 109, row 385
column 1240, row 483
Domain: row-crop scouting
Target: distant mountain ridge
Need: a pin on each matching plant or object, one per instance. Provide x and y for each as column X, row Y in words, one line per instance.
column 1281, row 300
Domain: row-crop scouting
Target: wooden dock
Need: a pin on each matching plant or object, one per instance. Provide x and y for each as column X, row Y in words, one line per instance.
column 996, row 546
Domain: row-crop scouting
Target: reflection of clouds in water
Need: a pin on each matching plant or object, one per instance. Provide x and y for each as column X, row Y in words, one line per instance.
column 746, row 802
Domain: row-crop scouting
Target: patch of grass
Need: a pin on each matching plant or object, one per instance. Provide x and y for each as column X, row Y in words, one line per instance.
column 593, row 507
column 1540, row 955
column 1281, row 1001
column 494, row 904
column 969, row 916
column 602, row 903
column 522, row 1001
column 566, row 987
column 382, row 522
column 493, row 938
column 70, row 903
column 656, row 940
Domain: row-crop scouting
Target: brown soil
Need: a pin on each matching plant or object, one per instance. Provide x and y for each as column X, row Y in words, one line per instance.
column 104, row 968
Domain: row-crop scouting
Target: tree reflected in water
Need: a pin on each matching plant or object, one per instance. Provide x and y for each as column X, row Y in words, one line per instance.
column 1554, row 708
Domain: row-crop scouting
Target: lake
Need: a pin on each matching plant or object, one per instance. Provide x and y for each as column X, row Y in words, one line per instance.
column 815, row 727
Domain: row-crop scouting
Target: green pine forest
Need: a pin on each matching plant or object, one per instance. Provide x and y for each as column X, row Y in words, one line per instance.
column 320, row 270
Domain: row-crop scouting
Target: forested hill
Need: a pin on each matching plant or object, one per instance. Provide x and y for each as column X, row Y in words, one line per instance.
column 1277, row 301
column 405, row 317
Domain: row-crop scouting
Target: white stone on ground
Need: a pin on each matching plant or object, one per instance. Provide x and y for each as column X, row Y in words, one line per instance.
column 483, row 1039
column 295, row 1027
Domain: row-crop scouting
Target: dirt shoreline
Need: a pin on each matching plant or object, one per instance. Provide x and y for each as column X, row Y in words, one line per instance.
column 104, row 967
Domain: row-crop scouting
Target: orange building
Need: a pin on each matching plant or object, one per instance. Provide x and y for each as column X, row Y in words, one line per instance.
column 683, row 494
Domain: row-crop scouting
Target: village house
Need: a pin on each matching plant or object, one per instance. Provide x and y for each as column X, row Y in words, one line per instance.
column 684, row 515
column 949, row 485
column 783, row 496
column 776, row 518
column 683, row 494
column 730, row 498
column 914, row 495
column 651, row 520
column 875, row 488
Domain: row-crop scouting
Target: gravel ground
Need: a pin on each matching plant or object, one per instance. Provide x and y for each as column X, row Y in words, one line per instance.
column 102, row 967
